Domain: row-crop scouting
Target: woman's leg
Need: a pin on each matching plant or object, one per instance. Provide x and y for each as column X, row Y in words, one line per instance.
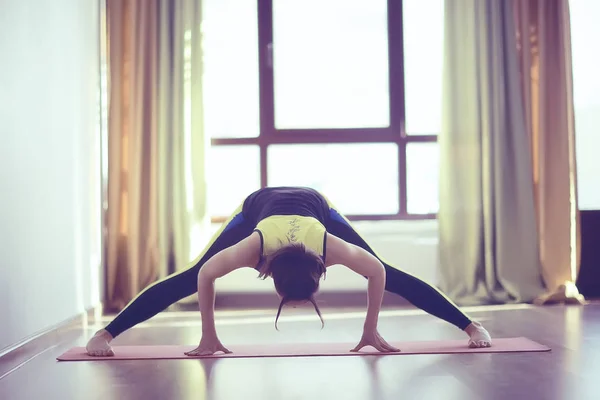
column 413, row 289
column 165, row 292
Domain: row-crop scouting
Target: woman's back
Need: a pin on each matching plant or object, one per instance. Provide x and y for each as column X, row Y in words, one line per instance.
column 285, row 200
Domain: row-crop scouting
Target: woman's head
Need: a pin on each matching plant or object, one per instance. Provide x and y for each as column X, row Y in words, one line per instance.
column 296, row 272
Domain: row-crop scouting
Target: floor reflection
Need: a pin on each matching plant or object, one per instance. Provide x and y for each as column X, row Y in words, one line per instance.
column 569, row 370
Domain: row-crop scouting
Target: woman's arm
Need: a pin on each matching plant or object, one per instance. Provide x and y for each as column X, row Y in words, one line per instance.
column 241, row 255
column 363, row 263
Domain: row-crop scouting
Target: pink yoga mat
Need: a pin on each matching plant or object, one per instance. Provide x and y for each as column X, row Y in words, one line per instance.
column 503, row 345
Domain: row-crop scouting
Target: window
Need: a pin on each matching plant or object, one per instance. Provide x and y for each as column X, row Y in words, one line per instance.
column 422, row 170
column 231, row 77
column 359, row 178
column 346, row 100
column 586, row 88
column 233, row 174
column 335, row 74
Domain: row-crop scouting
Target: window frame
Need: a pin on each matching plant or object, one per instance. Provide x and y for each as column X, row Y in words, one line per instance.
column 394, row 133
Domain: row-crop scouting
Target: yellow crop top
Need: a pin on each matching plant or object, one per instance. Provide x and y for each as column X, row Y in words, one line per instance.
column 278, row 230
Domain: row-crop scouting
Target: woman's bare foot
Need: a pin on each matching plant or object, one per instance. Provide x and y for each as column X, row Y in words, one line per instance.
column 478, row 336
column 99, row 346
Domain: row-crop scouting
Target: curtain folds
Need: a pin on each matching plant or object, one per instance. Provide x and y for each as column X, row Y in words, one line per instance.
column 508, row 211
column 156, row 155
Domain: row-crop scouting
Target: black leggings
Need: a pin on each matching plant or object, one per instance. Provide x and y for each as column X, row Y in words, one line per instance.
column 414, row 290
column 160, row 295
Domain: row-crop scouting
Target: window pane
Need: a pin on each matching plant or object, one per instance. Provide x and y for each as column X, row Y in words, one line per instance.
column 330, row 66
column 422, row 177
column 357, row 178
column 423, row 24
column 585, row 32
column 233, row 173
column 230, row 81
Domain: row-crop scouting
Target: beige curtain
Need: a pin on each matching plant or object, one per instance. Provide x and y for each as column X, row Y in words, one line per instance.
column 544, row 45
column 508, row 220
column 156, row 155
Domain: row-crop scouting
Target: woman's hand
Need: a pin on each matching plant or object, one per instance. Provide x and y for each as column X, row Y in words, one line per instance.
column 371, row 337
column 209, row 345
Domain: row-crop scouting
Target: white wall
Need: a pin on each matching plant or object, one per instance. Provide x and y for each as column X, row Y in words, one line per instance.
column 407, row 245
column 49, row 158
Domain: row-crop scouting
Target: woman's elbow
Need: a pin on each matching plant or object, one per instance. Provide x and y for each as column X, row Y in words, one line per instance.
column 206, row 276
column 376, row 270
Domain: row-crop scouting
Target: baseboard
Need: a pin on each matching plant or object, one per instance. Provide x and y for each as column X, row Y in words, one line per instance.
column 16, row 355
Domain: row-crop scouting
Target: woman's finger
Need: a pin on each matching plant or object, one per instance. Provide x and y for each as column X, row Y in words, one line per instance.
column 382, row 346
column 388, row 346
column 379, row 346
column 225, row 349
column 391, row 348
column 359, row 346
column 200, row 352
column 191, row 352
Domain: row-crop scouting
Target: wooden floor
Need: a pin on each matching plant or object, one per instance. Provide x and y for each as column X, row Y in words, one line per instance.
column 570, row 371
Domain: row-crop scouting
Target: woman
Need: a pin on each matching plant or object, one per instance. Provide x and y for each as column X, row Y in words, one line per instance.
column 291, row 234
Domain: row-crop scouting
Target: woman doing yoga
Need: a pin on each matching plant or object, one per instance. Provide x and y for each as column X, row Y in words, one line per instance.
column 291, row 234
